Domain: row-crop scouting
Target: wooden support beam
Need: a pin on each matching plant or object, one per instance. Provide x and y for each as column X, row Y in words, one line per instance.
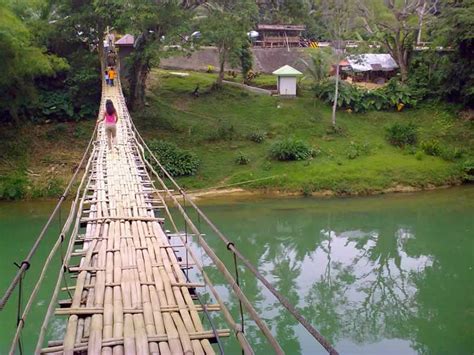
column 120, row 341
column 99, row 310
column 121, row 218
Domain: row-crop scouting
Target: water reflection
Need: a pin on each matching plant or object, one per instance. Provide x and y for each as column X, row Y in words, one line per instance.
column 382, row 280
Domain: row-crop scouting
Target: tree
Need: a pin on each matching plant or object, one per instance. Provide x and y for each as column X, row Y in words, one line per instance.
column 319, row 64
column 246, row 60
column 226, row 26
column 337, row 15
column 455, row 29
column 155, row 23
column 396, row 24
column 22, row 61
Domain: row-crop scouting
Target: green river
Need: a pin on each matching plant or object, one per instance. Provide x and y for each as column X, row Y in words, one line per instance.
column 390, row 274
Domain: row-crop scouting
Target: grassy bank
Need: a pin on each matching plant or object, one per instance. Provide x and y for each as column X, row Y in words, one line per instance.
column 216, row 126
column 38, row 160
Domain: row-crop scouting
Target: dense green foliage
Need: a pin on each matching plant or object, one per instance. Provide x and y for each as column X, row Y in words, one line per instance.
column 176, row 161
column 49, row 70
column 246, row 61
column 23, row 60
column 225, row 26
column 12, row 187
column 455, row 28
column 290, row 149
column 358, row 99
column 400, row 134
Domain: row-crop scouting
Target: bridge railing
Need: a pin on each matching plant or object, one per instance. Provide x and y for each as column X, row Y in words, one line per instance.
column 148, row 155
column 26, row 263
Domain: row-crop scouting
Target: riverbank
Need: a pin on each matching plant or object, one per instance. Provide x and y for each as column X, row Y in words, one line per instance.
column 232, row 131
column 38, row 160
column 220, row 128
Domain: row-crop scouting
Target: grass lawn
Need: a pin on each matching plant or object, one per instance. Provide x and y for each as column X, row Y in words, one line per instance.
column 216, row 127
column 38, row 160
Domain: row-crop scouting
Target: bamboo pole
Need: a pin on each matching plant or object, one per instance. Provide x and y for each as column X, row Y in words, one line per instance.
column 156, row 338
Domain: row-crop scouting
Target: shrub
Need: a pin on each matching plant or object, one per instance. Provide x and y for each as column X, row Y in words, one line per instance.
column 242, row 159
column 357, row 149
column 467, row 167
column 57, row 132
column 400, row 134
column 81, row 132
column 394, row 95
column 176, row 161
column 431, row 147
column 307, row 190
column 56, row 105
column 291, row 149
column 419, row 155
column 257, row 137
column 223, row 132
column 54, row 188
column 12, row 186
column 451, row 154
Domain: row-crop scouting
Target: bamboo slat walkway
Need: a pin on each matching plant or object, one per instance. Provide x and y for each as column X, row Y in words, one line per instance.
column 131, row 295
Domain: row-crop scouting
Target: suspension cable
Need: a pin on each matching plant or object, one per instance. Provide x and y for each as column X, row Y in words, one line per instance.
column 227, row 315
column 26, row 263
column 283, row 300
column 56, row 246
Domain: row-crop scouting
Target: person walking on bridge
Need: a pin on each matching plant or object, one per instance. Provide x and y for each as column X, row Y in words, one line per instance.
column 111, row 119
column 111, row 76
column 106, row 76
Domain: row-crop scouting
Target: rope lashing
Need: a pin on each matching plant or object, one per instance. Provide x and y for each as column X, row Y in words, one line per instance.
column 236, row 267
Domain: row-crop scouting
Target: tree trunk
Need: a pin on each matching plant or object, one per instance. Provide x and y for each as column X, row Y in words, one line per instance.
column 138, row 73
column 13, row 110
column 137, row 80
column 401, row 56
column 421, row 14
column 220, row 78
column 336, row 94
column 222, row 58
column 403, row 70
column 100, row 49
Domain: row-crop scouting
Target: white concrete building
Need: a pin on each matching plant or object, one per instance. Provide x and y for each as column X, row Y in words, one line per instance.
column 287, row 80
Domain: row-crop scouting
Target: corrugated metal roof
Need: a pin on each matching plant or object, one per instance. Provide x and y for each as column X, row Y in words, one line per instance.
column 127, row 40
column 372, row 61
column 281, row 27
column 286, row 70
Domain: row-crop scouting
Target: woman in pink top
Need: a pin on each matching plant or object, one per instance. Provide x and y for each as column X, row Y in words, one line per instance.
column 111, row 118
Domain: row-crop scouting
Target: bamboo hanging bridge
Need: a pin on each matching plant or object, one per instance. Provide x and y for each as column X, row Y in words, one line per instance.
column 132, row 291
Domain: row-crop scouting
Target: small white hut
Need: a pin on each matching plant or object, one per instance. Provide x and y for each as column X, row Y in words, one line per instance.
column 287, row 80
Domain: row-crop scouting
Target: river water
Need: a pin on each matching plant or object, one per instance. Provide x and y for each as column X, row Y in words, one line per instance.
column 389, row 274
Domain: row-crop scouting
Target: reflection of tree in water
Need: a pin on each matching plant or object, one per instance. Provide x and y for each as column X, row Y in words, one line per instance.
column 370, row 296
column 365, row 280
column 388, row 304
column 285, row 273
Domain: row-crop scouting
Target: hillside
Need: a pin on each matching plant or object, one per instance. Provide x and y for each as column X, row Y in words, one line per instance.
column 216, row 127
